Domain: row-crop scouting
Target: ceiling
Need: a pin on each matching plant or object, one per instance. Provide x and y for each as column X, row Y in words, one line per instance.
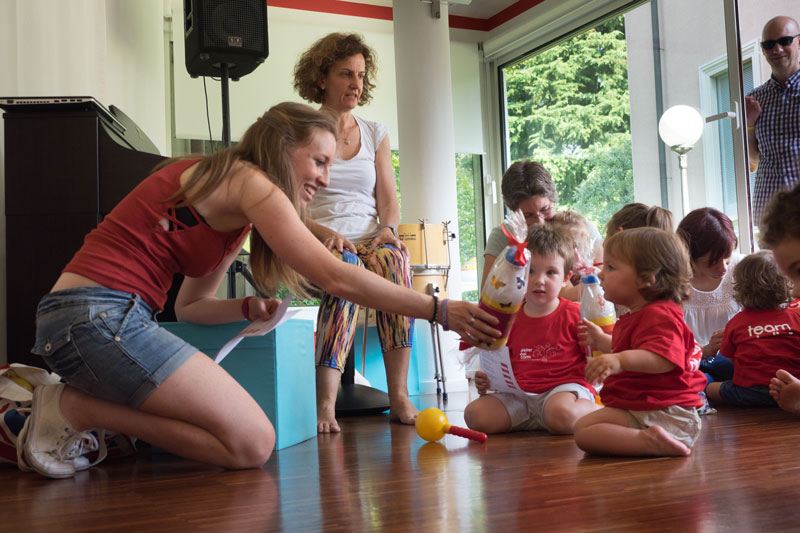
column 479, row 9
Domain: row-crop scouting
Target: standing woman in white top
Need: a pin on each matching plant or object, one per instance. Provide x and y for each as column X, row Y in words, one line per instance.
column 356, row 217
column 709, row 235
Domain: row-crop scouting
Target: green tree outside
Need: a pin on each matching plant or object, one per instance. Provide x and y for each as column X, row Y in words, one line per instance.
column 568, row 107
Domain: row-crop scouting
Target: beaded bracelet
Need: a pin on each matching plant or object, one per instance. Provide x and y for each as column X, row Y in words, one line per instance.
column 435, row 309
column 246, row 307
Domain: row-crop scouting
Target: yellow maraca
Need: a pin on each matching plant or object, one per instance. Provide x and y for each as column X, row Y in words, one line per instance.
column 432, row 425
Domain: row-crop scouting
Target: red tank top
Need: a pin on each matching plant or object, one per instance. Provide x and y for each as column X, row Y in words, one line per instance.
column 143, row 243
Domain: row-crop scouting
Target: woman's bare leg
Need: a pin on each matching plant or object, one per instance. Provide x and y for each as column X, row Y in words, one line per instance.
column 200, row 412
column 328, row 379
column 396, row 363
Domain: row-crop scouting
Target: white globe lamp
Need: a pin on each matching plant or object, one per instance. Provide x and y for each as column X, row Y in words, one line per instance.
column 680, row 128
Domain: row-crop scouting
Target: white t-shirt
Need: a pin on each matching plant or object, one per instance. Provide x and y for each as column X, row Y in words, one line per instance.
column 706, row 312
column 348, row 204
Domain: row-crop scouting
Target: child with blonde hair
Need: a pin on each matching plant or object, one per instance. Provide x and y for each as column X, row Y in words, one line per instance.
column 649, row 370
column 638, row 215
column 762, row 338
column 780, row 229
column 588, row 252
column 547, row 361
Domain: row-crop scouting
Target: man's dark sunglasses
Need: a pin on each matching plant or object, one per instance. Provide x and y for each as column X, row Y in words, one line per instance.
column 783, row 41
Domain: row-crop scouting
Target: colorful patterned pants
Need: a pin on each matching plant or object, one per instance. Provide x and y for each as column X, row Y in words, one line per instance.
column 336, row 320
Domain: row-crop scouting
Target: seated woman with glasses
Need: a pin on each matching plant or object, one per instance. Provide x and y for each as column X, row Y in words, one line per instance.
column 527, row 186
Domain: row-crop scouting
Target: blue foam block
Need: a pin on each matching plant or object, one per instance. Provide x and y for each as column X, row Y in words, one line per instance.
column 277, row 369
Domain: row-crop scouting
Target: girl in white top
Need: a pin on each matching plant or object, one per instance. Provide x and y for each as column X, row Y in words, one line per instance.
column 709, row 235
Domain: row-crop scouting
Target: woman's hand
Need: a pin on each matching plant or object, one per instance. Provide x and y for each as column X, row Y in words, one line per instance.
column 262, row 308
column 472, row 323
column 386, row 236
column 338, row 242
column 600, row 367
column 710, row 350
column 481, row 382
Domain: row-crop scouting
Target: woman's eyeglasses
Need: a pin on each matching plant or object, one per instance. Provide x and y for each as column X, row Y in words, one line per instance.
column 783, row 41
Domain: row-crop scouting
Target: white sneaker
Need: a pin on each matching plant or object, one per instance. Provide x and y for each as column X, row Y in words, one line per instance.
column 48, row 443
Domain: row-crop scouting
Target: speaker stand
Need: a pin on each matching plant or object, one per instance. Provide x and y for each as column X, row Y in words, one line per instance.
column 358, row 400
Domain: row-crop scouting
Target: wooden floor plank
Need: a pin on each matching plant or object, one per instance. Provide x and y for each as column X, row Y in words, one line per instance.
column 743, row 475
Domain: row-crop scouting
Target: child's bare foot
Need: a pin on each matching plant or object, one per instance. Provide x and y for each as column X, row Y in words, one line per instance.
column 662, row 443
column 785, row 388
column 326, row 418
column 403, row 411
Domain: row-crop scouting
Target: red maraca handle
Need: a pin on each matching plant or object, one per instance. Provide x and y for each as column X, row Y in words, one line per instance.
column 470, row 434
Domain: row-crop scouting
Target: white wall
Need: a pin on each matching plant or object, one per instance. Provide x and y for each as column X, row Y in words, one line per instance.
column 108, row 49
column 291, row 32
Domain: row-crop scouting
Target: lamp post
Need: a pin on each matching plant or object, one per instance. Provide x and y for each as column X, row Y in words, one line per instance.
column 680, row 128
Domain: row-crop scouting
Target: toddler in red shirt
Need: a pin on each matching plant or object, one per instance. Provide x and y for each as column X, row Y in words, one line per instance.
column 762, row 338
column 780, row 232
column 649, row 369
column 547, row 361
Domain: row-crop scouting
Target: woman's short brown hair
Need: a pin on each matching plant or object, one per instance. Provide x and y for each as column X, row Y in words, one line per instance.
column 316, row 62
column 759, row 283
column 659, row 258
column 526, row 179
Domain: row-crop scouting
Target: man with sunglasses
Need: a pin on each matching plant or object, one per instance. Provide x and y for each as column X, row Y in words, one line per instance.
column 773, row 115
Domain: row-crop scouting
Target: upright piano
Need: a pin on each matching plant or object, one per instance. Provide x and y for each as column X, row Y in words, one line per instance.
column 69, row 161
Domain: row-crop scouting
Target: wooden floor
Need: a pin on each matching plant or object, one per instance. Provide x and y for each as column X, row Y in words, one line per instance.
column 744, row 475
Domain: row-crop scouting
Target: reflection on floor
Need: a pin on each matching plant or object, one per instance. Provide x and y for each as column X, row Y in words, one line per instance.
column 378, row 476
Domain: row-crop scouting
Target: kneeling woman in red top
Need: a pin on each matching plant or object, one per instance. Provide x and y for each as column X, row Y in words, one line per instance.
column 649, row 370
column 123, row 372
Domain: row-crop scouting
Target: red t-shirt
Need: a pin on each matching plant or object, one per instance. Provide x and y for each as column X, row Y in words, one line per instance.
column 545, row 351
column 658, row 328
column 142, row 243
column 760, row 342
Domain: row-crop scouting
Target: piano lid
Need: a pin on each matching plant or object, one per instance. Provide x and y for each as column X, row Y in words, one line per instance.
column 119, row 125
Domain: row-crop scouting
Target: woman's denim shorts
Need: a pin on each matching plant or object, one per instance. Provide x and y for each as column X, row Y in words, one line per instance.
column 107, row 343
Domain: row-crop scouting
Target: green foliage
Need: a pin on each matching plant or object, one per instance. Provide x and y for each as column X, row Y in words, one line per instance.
column 609, row 185
column 467, row 246
column 568, row 107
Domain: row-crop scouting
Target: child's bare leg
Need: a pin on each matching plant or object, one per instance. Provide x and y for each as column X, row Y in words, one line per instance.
column 563, row 409
column 712, row 392
column 487, row 414
column 785, row 388
column 606, row 432
column 328, row 379
column 400, row 407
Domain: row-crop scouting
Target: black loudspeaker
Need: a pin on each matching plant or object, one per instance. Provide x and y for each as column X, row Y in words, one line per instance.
column 232, row 32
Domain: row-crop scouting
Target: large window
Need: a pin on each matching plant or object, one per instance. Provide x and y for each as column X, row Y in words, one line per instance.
column 568, row 108
column 586, row 102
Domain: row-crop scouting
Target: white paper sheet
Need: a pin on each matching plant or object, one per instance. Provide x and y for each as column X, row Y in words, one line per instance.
column 258, row 328
column 497, row 366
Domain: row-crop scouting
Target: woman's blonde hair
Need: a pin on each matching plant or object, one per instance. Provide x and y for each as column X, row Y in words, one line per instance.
column 660, row 260
column 268, row 144
column 759, row 283
column 638, row 215
column 316, row 62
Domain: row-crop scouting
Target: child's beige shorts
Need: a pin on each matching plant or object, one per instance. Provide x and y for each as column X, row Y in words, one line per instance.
column 526, row 411
column 683, row 423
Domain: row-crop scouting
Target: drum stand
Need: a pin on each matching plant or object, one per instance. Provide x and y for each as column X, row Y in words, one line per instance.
column 438, row 361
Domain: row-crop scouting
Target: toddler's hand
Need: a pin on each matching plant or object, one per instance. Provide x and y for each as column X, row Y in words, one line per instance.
column 481, row 382
column 600, row 367
column 589, row 333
